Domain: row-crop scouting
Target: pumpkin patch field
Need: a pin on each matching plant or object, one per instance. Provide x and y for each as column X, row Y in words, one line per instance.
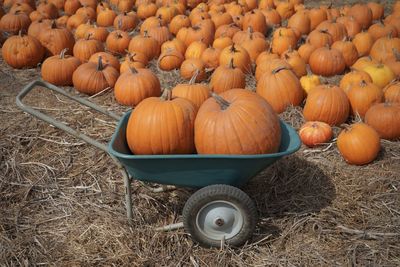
column 206, row 77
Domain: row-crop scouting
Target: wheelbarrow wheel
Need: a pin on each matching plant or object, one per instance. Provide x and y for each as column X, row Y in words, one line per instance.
column 220, row 213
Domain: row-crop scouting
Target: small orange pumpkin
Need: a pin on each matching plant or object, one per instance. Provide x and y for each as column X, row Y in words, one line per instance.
column 59, row 69
column 135, row 85
column 359, row 144
column 385, row 119
column 91, row 78
column 314, row 133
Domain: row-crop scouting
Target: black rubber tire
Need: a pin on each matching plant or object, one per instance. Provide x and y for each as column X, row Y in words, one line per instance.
column 226, row 193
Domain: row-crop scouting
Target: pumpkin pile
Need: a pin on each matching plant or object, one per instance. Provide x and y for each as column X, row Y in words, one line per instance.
column 95, row 45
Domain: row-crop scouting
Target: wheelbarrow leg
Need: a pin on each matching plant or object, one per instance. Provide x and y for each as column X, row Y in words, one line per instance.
column 128, row 194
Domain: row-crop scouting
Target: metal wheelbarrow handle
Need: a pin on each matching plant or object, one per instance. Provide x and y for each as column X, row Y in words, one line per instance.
column 29, row 109
column 51, row 120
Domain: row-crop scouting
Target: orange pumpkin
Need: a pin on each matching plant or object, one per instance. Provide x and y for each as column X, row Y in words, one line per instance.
column 352, row 78
column 135, row 60
column 106, row 58
column 240, row 56
column 363, row 15
column 227, row 77
column 170, row 59
column 281, row 88
column 363, row 42
column 58, row 69
column 327, row 103
column 117, row 42
column 15, row 22
column 146, row 45
column 385, row 119
column 382, row 50
column 314, row 133
column 362, row 96
column 301, row 22
column 359, row 144
column 327, row 62
column 210, row 57
column 195, row 92
column 229, row 111
column 348, row 50
column 85, row 48
column 193, row 67
column 153, row 116
column 56, row 39
column 135, row 85
column 392, row 92
column 91, row 78
column 22, row 51
column 336, row 30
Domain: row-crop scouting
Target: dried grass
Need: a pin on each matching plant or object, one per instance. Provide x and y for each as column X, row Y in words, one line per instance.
column 61, row 201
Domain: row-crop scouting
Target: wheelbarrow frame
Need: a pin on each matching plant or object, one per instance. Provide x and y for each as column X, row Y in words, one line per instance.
column 236, row 170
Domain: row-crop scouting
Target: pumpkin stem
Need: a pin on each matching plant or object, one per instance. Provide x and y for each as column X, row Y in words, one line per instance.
column 20, row 33
column 119, row 24
column 278, row 69
column 195, row 74
column 88, row 36
column 363, row 83
column 396, row 53
column 231, row 65
column 233, row 49
column 166, row 95
column 133, row 70
column 62, row 54
column 53, row 24
column 145, row 33
column 100, row 66
column 222, row 102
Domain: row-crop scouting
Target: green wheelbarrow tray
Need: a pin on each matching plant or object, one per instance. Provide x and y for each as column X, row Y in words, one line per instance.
column 195, row 170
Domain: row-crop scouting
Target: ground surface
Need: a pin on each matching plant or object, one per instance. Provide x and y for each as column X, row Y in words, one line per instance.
column 61, row 201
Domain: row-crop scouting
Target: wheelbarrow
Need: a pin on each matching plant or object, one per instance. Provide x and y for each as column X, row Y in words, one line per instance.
column 218, row 212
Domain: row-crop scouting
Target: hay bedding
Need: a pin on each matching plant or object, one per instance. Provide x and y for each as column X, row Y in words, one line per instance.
column 61, row 201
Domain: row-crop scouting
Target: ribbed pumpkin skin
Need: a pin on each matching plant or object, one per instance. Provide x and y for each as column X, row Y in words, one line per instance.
column 382, row 50
column 362, row 96
column 328, row 104
column 269, row 65
column 248, row 126
column 327, row 62
column 55, row 40
column 348, row 50
column 313, row 133
column 158, row 126
column 106, row 58
column 84, row 49
column 227, row 77
column 352, row 78
column 22, row 51
column 281, row 88
column 359, row 145
column 58, row 69
column 240, row 56
column 196, row 93
column 89, row 80
column 385, row 119
column 146, row 45
column 135, row 85
column 135, row 60
column 392, row 92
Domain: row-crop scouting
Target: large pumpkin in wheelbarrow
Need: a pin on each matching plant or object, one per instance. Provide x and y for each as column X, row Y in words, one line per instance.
column 237, row 122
